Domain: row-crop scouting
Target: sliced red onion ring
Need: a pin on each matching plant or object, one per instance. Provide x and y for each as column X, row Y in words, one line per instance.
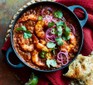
column 49, row 9
column 48, row 18
column 48, row 32
column 60, row 57
column 46, row 9
column 72, row 28
column 49, row 36
column 54, row 20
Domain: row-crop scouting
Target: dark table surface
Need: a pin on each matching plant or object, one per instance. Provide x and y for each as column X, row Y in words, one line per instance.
column 7, row 9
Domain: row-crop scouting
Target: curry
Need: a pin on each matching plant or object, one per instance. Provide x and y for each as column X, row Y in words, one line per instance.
column 45, row 39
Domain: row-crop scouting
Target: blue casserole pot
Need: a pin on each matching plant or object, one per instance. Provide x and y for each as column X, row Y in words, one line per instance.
column 69, row 10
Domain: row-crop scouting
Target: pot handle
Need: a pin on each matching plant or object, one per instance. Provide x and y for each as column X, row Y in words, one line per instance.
column 19, row 65
column 82, row 22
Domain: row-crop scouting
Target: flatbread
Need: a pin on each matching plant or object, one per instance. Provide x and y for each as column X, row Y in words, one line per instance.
column 82, row 69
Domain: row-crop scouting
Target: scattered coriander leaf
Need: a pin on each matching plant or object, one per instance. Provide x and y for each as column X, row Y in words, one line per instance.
column 51, row 24
column 51, row 62
column 33, row 80
column 59, row 29
column 64, row 25
column 22, row 28
column 66, row 38
column 40, row 18
column 60, row 23
column 58, row 14
column 59, row 41
column 42, row 54
column 67, row 31
column 27, row 34
column 51, row 45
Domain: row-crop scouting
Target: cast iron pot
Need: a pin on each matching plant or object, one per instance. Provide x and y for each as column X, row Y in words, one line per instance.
column 69, row 10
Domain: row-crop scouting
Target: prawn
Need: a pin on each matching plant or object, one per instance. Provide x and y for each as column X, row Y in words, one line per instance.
column 39, row 29
column 25, row 44
column 69, row 47
column 42, row 41
column 35, row 59
column 29, row 17
column 40, row 45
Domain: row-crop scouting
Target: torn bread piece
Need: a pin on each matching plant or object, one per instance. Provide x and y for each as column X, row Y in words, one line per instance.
column 82, row 69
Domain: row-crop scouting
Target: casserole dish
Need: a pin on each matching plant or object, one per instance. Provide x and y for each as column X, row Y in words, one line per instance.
column 72, row 18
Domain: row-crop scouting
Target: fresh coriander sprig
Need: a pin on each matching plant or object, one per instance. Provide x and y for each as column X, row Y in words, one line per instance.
column 51, row 62
column 27, row 34
column 58, row 14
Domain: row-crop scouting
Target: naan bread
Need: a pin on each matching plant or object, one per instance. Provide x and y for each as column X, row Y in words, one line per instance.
column 82, row 69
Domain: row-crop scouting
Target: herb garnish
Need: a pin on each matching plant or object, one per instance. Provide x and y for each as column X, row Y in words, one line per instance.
column 59, row 41
column 59, row 29
column 27, row 34
column 51, row 62
column 22, row 28
column 51, row 45
column 40, row 18
column 42, row 54
column 58, row 14
column 51, row 24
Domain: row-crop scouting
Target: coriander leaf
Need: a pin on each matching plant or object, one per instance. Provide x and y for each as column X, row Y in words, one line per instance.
column 64, row 24
column 42, row 54
column 67, row 31
column 51, row 45
column 40, row 18
column 51, row 62
column 53, row 31
column 58, row 14
column 59, row 41
column 60, row 23
column 66, row 38
column 22, row 28
column 51, row 24
column 33, row 80
column 59, row 29
column 27, row 34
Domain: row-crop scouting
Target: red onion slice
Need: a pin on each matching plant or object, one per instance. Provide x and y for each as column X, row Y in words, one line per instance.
column 49, row 36
column 54, row 20
column 46, row 9
column 48, row 18
column 72, row 28
column 60, row 58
